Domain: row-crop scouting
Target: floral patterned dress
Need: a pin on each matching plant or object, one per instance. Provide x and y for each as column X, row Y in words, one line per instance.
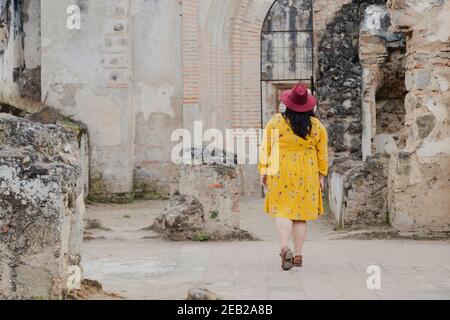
column 292, row 166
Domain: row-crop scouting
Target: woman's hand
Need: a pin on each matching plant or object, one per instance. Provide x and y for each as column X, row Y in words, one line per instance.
column 322, row 182
column 263, row 181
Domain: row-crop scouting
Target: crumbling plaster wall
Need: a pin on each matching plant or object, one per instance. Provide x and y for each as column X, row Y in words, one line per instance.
column 420, row 173
column 20, row 50
column 157, row 90
column 120, row 74
column 405, row 137
column 86, row 73
column 383, row 61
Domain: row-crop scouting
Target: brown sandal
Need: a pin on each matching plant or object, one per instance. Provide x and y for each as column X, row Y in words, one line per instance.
column 286, row 259
column 298, row 261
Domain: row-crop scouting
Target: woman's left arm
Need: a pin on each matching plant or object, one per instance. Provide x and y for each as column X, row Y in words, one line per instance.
column 322, row 151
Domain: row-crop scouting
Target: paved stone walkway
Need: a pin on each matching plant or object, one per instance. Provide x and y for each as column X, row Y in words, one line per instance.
column 138, row 264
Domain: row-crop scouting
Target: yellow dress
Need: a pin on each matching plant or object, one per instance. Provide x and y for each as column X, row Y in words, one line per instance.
column 292, row 166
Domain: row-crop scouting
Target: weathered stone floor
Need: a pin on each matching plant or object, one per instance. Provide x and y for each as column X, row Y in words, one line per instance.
column 138, row 264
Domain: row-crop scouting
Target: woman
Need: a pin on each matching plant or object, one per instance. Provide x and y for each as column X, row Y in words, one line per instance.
column 293, row 166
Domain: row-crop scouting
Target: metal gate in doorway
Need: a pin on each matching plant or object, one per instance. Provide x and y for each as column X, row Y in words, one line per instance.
column 287, row 45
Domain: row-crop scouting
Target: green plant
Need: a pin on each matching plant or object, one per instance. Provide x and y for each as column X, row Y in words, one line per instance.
column 38, row 298
column 68, row 118
column 202, row 236
column 214, row 214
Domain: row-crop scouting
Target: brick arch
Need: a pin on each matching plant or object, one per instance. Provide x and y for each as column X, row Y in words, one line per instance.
column 246, row 62
column 221, row 51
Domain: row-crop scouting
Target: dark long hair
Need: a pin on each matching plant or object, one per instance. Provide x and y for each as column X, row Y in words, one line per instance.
column 300, row 122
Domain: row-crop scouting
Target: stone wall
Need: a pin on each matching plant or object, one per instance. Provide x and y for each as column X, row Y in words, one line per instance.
column 353, row 67
column 41, row 209
column 403, row 50
column 339, row 78
column 383, row 59
column 419, row 181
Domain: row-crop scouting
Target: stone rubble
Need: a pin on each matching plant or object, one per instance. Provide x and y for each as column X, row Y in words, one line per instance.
column 202, row 294
column 182, row 220
column 358, row 192
column 206, row 204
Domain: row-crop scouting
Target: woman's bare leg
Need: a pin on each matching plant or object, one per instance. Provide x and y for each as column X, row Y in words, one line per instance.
column 284, row 227
column 299, row 231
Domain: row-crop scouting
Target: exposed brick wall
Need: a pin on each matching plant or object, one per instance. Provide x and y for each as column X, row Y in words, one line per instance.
column 224, row 77
column 190, row 52
column 246, row 54
column 215, row 60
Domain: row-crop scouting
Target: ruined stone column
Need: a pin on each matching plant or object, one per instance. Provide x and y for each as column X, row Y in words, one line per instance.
column 41, row 210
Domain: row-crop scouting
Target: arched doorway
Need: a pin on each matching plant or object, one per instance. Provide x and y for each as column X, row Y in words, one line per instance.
column 287, row 51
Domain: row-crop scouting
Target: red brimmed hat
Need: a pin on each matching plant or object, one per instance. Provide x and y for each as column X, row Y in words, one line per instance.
column 299, row 99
